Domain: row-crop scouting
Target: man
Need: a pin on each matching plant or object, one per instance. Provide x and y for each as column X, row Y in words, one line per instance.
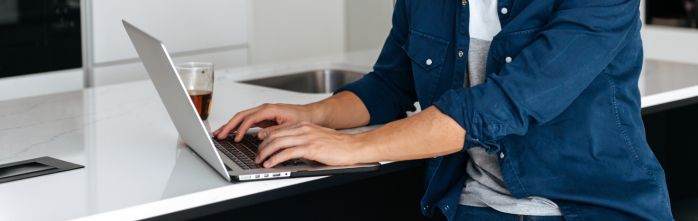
column 551, row 129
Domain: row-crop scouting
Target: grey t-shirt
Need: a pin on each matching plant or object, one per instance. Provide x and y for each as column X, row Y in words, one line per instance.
column 485, row 185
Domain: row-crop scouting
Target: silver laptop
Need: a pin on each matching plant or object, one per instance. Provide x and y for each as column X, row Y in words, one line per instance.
column 234, row 161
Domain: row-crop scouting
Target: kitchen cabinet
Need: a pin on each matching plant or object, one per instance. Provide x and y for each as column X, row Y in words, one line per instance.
column 201, row 30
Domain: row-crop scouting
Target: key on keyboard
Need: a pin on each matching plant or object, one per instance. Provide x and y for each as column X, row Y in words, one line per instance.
column 242, row 153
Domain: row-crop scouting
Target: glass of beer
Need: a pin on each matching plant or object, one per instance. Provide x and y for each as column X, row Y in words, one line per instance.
column 197, row 78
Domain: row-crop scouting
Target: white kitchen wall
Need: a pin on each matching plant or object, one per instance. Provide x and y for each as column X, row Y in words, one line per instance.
column 671, row 44
column 184, row 25
column 367, row 23
column 282, row 29
column 199, row 30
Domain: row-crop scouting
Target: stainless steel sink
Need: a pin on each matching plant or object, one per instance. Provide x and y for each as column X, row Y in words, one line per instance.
column 316, row 81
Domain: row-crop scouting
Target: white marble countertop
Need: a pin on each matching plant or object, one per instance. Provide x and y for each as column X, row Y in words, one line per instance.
column 663, row 83
column 135, row 167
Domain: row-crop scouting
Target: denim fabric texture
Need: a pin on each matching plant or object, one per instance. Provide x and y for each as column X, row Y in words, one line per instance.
column 472, row 213
column 560, row 105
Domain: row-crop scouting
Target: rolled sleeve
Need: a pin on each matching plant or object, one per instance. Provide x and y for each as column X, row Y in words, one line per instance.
column 388, row 92
column 481, row 131
column 381, row 105
column 547, row 76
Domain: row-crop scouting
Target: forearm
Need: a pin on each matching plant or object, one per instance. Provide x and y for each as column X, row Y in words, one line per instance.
column 343, row 110
column 424, row 135
column 427, row 134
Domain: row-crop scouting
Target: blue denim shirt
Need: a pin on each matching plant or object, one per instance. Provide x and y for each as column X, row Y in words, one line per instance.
column 560, row 105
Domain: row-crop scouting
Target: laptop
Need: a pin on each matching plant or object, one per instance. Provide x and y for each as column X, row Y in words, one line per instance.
column 234, row 161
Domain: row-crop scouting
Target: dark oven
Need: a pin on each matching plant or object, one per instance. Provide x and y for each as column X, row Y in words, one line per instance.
column 39, row 36
column 677, row 13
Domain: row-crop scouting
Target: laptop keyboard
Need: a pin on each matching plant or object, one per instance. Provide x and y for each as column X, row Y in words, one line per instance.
column 244, row 152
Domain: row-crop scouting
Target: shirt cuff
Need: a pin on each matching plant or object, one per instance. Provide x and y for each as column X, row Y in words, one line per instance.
column 455, row 104
column 376, row 101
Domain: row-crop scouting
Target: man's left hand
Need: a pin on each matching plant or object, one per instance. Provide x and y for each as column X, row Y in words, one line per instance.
column 308, row 141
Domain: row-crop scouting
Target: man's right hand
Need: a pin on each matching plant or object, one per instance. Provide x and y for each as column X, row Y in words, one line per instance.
column 267, row 116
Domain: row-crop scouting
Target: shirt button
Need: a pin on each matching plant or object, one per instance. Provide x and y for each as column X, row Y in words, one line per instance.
column 460, row 54
column 508, row 59
column 504, row 11
column 501, row 155
column 429, row 61
column 446, row 208
column 464, row 2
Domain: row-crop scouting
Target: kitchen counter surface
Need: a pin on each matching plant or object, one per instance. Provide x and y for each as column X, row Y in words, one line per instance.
column 666, row 85
column 135, row 166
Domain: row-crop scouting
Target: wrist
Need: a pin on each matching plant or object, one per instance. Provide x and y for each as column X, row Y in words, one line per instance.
column 365, row 149
column 316, row 113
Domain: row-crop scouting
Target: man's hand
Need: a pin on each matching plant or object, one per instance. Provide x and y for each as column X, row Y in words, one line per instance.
column 308, row 141
column 343, row 110
column 267, row 116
